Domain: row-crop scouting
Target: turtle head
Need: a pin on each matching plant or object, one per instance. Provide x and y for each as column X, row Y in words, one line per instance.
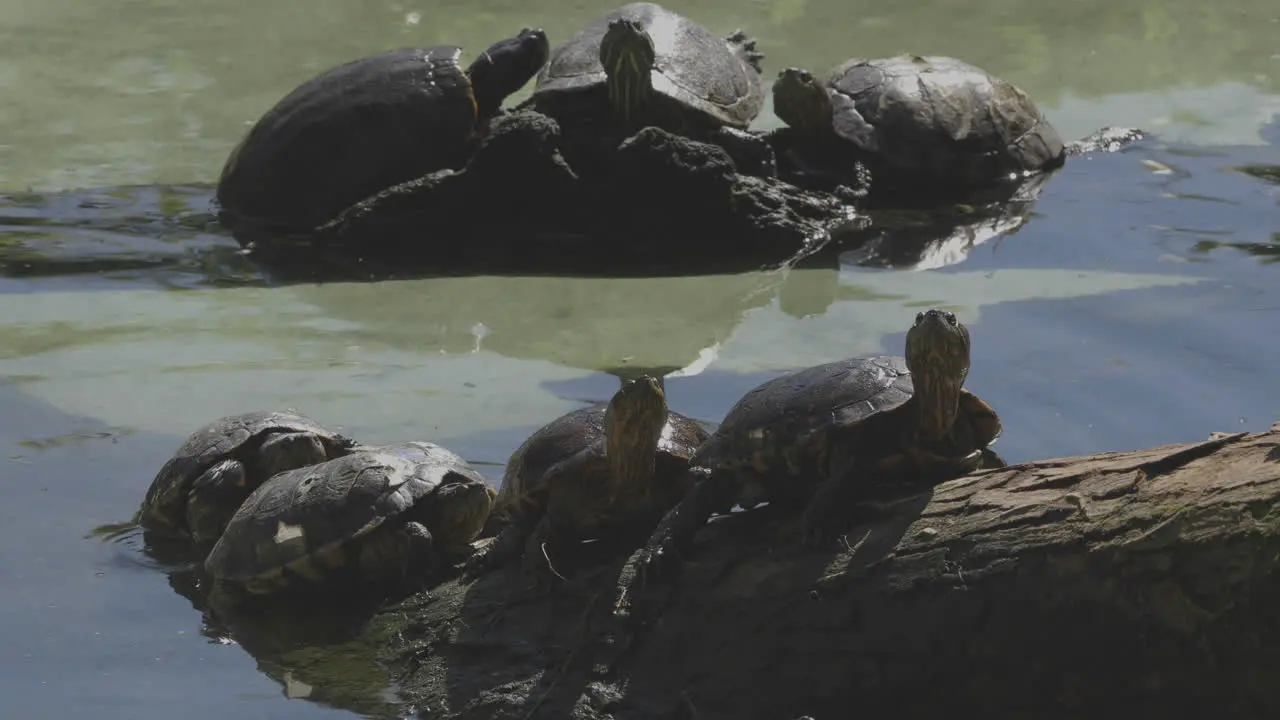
column 627, row 54
column 505, row 67
column 938, row 358
column 801, row 101
column 459, row 514
column 633, row 424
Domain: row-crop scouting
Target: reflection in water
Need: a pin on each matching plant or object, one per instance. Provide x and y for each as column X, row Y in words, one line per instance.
column 321, row 650
column 934, row 238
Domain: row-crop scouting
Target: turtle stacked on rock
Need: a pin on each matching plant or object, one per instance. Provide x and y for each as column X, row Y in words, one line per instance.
column 644, row 65
column 367, row 125
column 592, row 473
column 857, row 427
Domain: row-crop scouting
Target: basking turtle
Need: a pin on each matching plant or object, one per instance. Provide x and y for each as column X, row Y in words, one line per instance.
column 199, row 488
column 862, row 425
column 592, row 471
column 381, row 513
column 649, row 66
column 367, row 125
column 921, row 124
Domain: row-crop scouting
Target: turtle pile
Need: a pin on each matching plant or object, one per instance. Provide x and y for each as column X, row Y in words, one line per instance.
column 398, row 155
column 270, row 502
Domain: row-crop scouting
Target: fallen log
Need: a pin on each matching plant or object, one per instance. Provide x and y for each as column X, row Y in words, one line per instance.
column 1119, row 584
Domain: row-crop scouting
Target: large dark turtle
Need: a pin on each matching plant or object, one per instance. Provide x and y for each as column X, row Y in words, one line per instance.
column 367, row 125
column 921, row 124
column 863, row 425
column 198, row 490
column 590, row 473
column 381, row 514
column 650, row 66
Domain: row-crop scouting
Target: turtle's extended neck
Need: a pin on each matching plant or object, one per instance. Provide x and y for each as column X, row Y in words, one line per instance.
column 627, row 55
column 633, row 425
column 937, row 402
column 938, row 357
column 632, row 461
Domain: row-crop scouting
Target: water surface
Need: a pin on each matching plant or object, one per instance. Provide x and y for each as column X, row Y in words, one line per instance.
column 1133, row 306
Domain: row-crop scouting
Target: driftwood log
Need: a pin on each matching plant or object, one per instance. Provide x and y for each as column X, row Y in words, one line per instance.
column 1126, row 584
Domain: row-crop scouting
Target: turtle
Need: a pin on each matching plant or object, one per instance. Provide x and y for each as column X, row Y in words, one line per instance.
column 379, row 514
column 871, row 426
column 643, row 65
column 592, row 473
column 367, row 125
column 197, row 491
column 922, row 125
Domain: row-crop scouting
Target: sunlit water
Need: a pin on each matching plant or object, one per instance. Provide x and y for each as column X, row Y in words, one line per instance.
column 1135, row 306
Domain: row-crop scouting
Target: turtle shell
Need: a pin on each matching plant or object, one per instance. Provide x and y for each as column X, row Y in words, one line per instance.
column 349, row 133
column 696, row 69
column 940, row 117
column 780, row 429
column 577, row 432
column 303, row 520
column 774, row 426
column 234, row 437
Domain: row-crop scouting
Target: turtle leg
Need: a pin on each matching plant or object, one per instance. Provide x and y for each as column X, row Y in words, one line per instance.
column 289, row 451
column 421, row 558
column 501, row 550
column 826, row 516
column 991, row 459
column 214, row 497
column 751, row 153
column 675, row 533
column 742, row 44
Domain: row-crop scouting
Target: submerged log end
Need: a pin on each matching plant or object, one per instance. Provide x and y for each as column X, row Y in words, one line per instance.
column 1118, row 584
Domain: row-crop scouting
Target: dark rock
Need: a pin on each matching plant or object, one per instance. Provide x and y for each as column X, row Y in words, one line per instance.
column 654, row 201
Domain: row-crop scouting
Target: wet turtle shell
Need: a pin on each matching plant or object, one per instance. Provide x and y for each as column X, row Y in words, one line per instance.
column 934, row 119
column 367, row 125
column 196, row 492
column 362, row 514
column 709, row 80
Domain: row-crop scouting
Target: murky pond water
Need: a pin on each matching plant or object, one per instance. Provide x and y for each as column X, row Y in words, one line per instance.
column 1135, row 306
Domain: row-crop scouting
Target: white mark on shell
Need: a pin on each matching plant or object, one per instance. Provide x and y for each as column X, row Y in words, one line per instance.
column 286, row 532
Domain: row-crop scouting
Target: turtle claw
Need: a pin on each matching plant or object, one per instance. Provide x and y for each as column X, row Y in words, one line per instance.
column 477, row 564
column 745, row 46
